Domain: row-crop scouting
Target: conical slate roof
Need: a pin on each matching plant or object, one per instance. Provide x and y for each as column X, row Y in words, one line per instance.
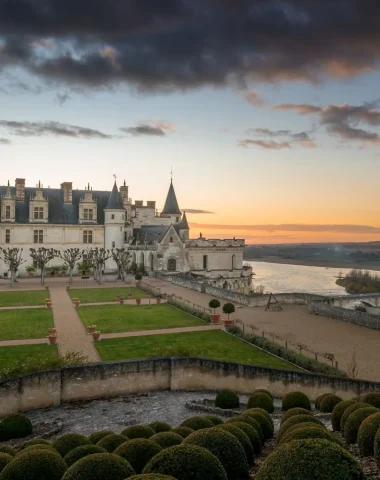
column 171, row 205
column 115, row 202
column 183, row 225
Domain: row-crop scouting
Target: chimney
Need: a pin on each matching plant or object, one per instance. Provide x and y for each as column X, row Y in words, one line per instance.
column 67, row 188
column 151, row 204
column 20, row 189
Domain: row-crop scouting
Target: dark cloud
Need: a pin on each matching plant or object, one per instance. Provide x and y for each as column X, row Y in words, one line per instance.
column 301, row 139
column 157, row 128
column 62, row 98
column 38, row 129
column 180, row 44
column 268, row 132
column 295, row 228
column 267, row 144
column 4, row 141
column 254, row 98
column 196, row 211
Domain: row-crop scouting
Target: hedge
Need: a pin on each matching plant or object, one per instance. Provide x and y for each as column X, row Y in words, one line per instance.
column 319, row 399
column 214, row 419
column 241, row 437
column 338, row 411
column 35, row 441
column 305, row 431
column 227, row 399
column 38, row 446
column 261, row 400
column 96, row 436
column 167, row 439
column 100, row 466
column 350, row 410
column 294, row 421
column 160, row 427
column 376, row 448
column 259, row 410
column 15, row 425
column 266, row 426
column 197, row 423
column 372, row 399
column 183, row 431
column 138, row 431
column 263, row 390
column 35, row 465
column 138, row 452
column 81, row 452
column 366, row 434
column 5, row 458
column 329, row 402
column 294, row 411
column 68, row 442
column 111, row 442
column 352, row 425
column 295, row 400
column 7, row 449
column 250, row 422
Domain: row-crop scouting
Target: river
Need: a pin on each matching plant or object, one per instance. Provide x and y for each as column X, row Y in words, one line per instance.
column 284, row 278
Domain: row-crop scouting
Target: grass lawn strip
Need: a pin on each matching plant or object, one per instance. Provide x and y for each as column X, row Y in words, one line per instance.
column 210, row 344
column 28, row 323
column 24, row 298
column 129, row 318
column 8, row 355
column 94, row 295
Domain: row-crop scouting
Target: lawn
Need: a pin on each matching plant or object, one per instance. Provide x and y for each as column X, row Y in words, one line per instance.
column 128, row 318
column 94, row 295
column 26, row 298
column 19, row 353
column 214, row 344
column 25, row 323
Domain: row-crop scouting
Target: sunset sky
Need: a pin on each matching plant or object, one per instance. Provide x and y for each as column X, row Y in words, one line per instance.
column 267, row 111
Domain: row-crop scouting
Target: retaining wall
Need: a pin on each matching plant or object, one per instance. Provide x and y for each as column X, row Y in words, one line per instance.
column 110, row 379
column 351, row 316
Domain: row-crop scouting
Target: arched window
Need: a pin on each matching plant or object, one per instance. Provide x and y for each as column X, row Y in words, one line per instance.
column 171, row 240
column 151, row 261
column 172, row 265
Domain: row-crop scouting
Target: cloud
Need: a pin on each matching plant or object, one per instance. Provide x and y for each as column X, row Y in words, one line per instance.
column 38, row 129
column 301, row 139
column 268, row 132
column 196, row 211
column 303, row 109
column 180, row 44
column 359, row 229
column 158, row 128
column 62, row 98
column 267, row 144
column 254, row 98
column 5, row 141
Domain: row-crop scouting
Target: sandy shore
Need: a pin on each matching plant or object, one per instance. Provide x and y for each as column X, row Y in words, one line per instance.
column 316, row 263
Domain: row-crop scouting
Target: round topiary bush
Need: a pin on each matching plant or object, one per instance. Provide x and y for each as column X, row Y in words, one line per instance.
column 376, row 448
column 337, row 413
column 227, row 399
column 305, row 431
column 81, row 452
column 15, row 425
column 295, row 399
column 352, row 425
column 319, row 398
column 263, row 390
column 266, row 426
column 251, row 433
column 96, row 436
column 36, row 441
column 7, row 449
column 5, row 458
column 329, row 402
column 138, row 452
column 372, row 399
column 294, row 411
column 295, row 421
column 197, row 423
column 242, row 438
column 111, row 442
column 35, row 465
column 310, row 459
column 214, row 419
column 160, row 427
column 38, row 446
column 167, row 439
column 252, row 411
column 350, row 410
column 100, row 466
column 138, row 431
column 225, row 447
column 187, row 462
column 261, row 400
column 151, row 476
column 68, row 442
column 249, row 421
column 366, row 434
column 183, row 431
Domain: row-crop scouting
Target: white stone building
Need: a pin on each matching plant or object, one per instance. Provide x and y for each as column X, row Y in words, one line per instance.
column 66, row 218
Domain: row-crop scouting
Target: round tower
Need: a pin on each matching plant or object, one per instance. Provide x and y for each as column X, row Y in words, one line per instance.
column 114, row 222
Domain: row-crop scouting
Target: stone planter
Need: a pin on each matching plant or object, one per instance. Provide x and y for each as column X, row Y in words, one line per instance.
column 138, row 301
column 96, row 336
column 77, row 303
column 138, row 282
column 215, row 318
column 158, row 300
column 118, row 298
column 121, row 301
column 130, row 296
column 228, row 323
column 49, row 305
column 52, row 331
column 91, row 329
column 52, row 339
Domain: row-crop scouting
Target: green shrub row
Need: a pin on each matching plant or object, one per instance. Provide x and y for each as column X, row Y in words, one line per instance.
column 190, row 310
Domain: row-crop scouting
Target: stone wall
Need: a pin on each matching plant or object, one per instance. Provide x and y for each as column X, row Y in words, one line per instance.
column 111, row 379
column 351, row 316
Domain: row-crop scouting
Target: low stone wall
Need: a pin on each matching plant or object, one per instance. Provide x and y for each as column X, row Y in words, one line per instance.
column 111, row 379
column 351, row 316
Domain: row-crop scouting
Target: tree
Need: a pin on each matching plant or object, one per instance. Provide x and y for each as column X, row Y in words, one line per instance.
column 70, row 256
column 214, row 303
column 97, row 258
column 42, row 257
column 352, row 367
column 228, row 308
column 122, row 259
column 12, row 257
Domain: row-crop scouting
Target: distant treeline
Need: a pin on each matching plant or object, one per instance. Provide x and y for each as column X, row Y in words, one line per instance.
column 359, row 281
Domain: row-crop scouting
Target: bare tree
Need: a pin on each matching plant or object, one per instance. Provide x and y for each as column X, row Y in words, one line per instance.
column 331, row 357
column 352, row 366
column 301, row 347
column 70, row 256
column 126, row 261
column 98, row 257
column 12, row 257
column 42, row 257
column 118, row 255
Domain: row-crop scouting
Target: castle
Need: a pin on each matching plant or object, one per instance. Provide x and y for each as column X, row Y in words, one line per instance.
column 66, row 218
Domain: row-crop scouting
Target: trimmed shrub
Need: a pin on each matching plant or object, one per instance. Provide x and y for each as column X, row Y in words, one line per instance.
column 111, row 442
column 227, row 399
column 372, row 398
column 259, row 410
column 35, row 465
column 263, row 390
column 36, row 441
column 15, row 425
column 68, row 442
column 338, row 411
column 266, row 426
column 151, row 476
column 242, row 438
column 261, row 400
column 187, row 462
column 96, row 436
column 295, row 421
column 252, row 434
column 225, row 447
column 167, row 439
column 352, row 425
column 38, row 446
column 310, row 459
column 329, row 402
column 376, row 447
column 7, row 449
column 160, row 427
column 319, row 398
column 138, row 431
column 295, row 399
column 183, row 431
column 366, row 434
column 250, row 422
column 294, row 411
column 81, row 452
column 138, row 452
column 197, row 423
column 350, row 410
column 100, row 466
column 5, row 458
column 214, row 419
column 305, row 431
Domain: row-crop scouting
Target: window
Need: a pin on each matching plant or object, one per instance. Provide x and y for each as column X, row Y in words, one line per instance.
column 172, row 265
column 125, row 237
column 112, row 217
column 7, row 212
column 171, row 239
column 38, row 236
column 35, row 264
column 38, row 213
column 7, row 236
column 88, row 214
column 178, row 219
column 205, row 262
column 123, row 217
column 87, row 236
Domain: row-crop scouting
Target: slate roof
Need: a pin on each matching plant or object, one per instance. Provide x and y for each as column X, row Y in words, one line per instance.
column 149, row 233
column 115, row 201
column 171, row 205
column 183, row 225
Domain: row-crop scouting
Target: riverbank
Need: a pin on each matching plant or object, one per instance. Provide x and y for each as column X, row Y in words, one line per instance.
column 316, row 263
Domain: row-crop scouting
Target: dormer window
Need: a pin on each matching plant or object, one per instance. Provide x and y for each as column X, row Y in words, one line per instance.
column 7, row 212
column 112, row 217
column 38, row 213
column 88, row 214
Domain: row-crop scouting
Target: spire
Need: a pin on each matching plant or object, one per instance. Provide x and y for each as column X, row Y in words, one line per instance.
column 114, row 202
column 183, row 225
column 171, row 205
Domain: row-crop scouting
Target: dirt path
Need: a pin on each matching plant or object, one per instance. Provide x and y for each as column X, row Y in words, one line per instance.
column 161, row 331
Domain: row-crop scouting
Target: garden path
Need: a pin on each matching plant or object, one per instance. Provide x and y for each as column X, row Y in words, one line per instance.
column 27, row 341
column 161, row 331
column 23, row 307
